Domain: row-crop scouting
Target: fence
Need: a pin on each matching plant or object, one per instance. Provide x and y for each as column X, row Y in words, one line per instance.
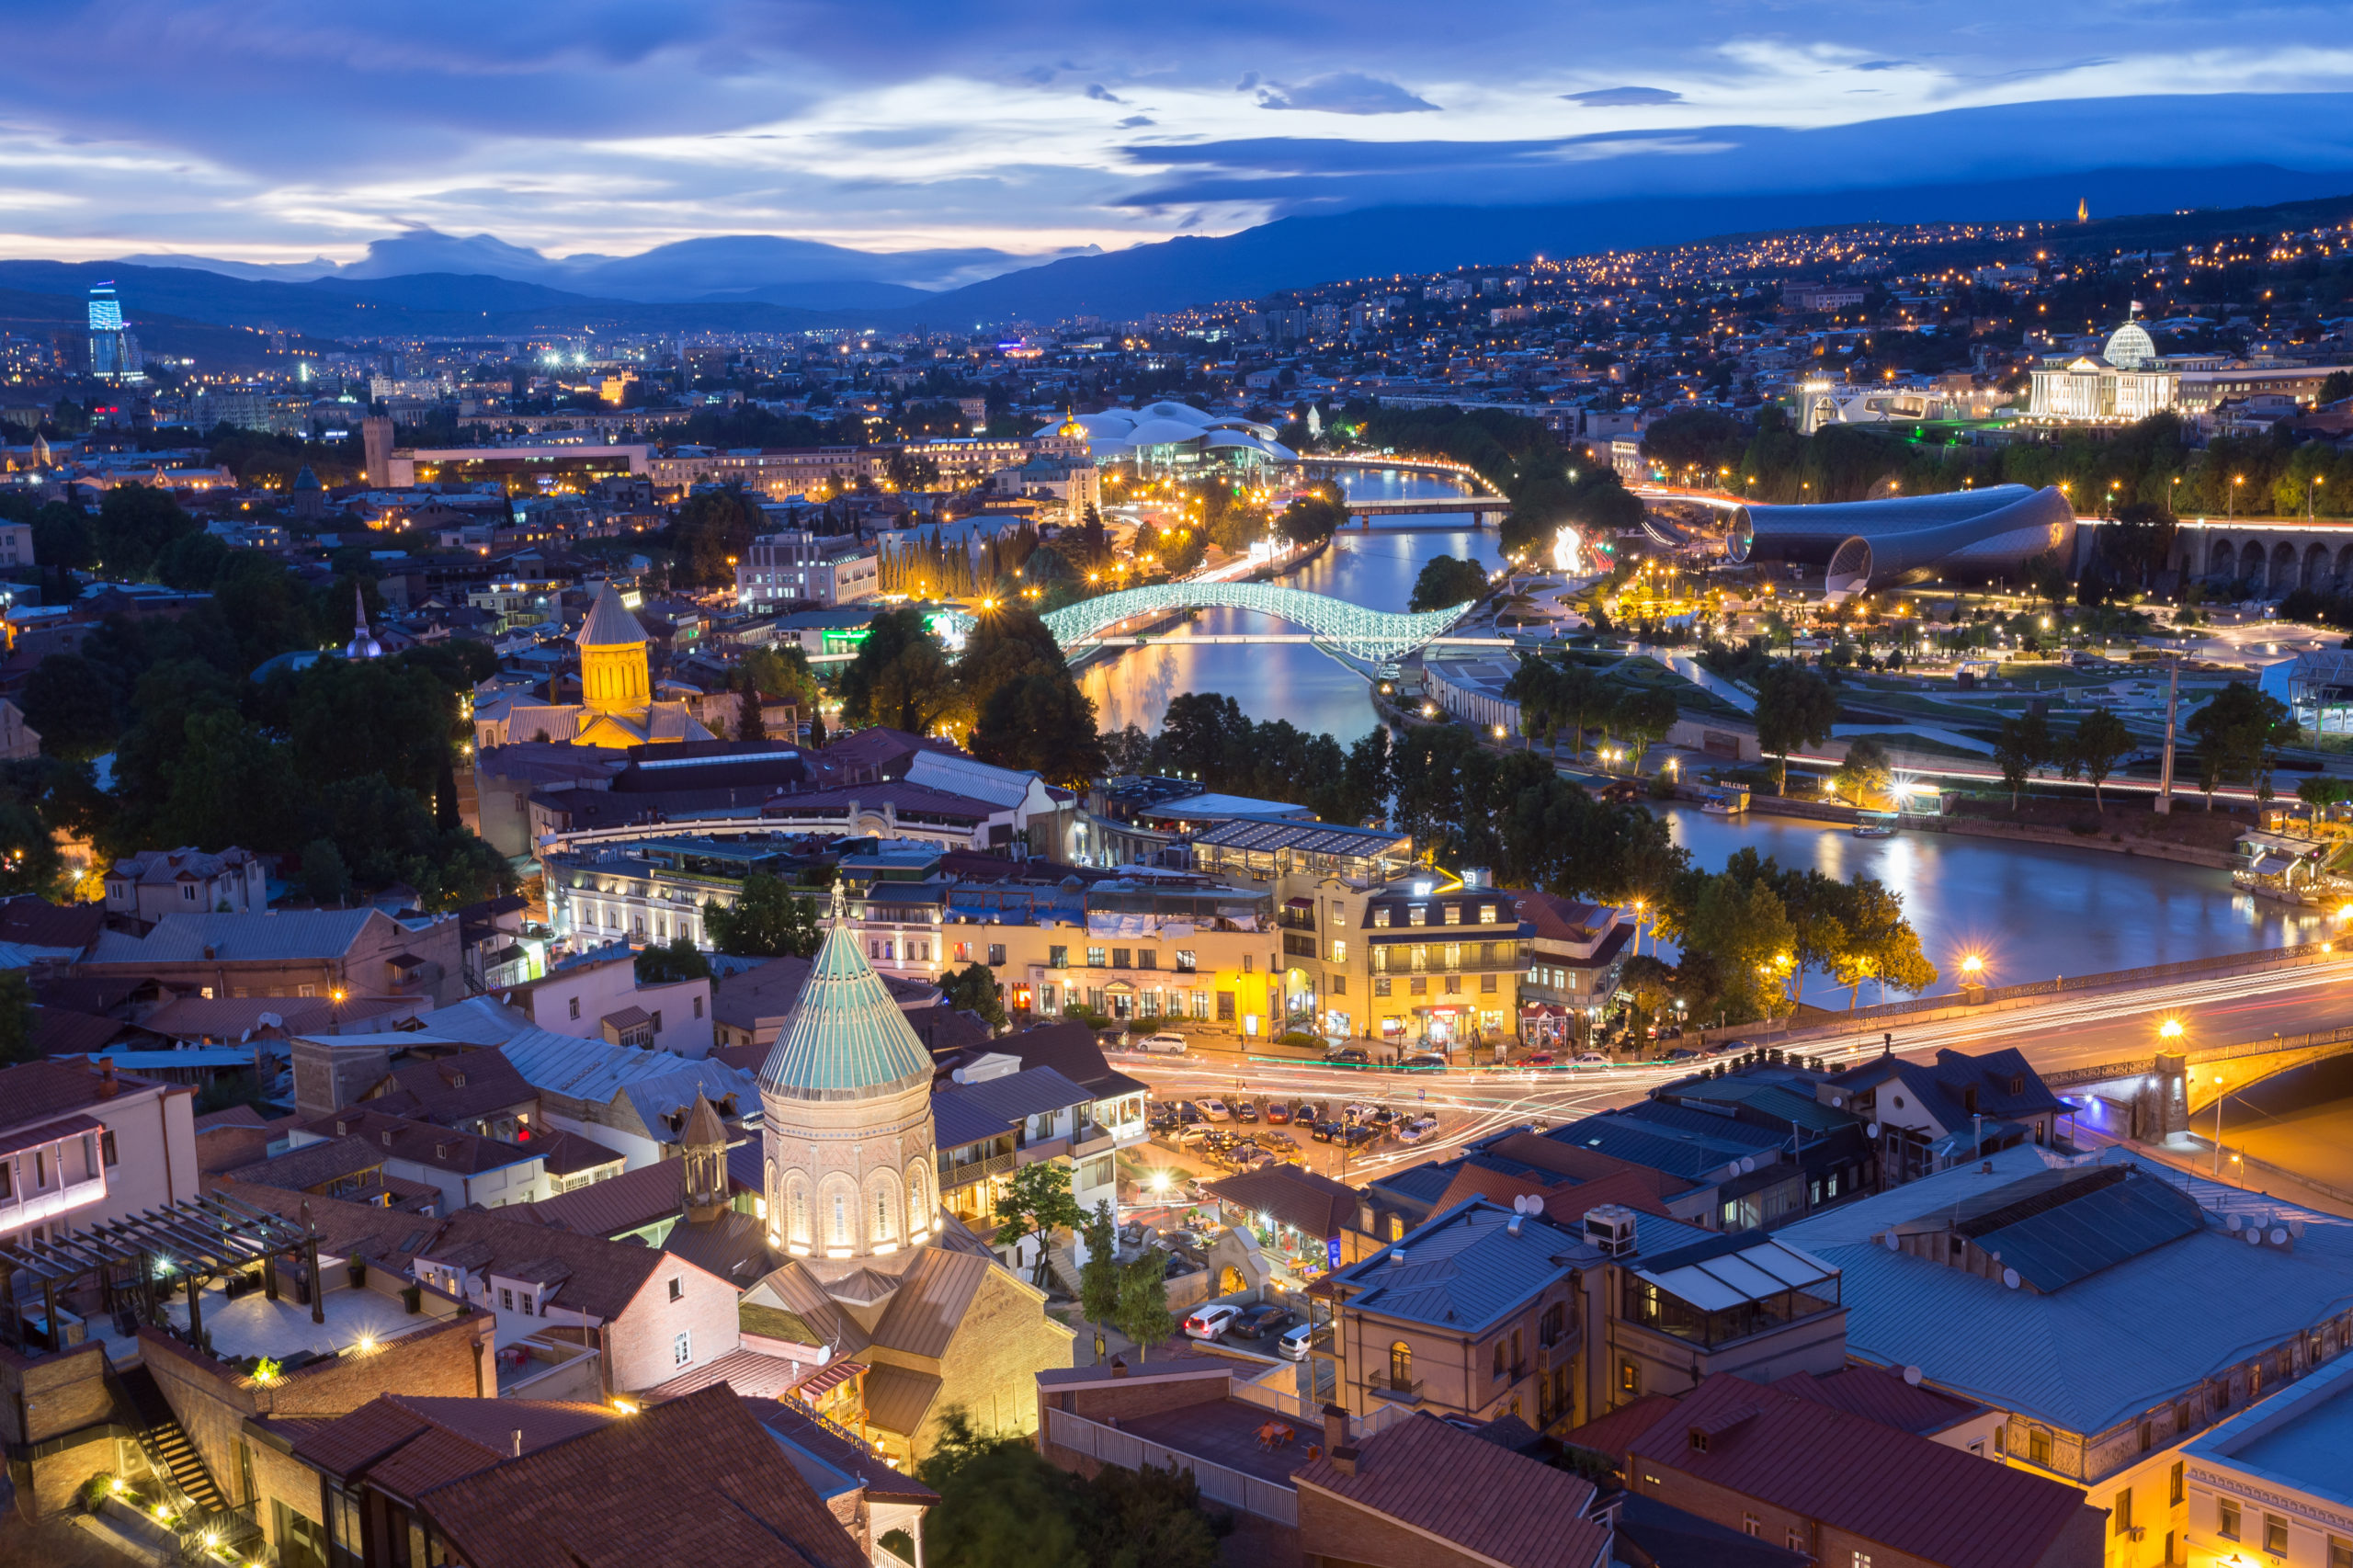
column 1266, row 1499
column 2107, row 1071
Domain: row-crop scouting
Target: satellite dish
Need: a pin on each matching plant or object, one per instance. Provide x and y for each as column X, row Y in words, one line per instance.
column 2279, row 1235
column 1747, row 1164
column 2295, row 1228
column 1912, row 1375
column 1894, row 1244
column 1838, row 1102
column 2010, row 1278
column 1873, row 1131
column 2234, row 1221
column 2253, row 1236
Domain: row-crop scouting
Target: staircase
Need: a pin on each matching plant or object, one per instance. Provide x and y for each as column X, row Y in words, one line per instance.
column 1062, row 1264
column 167, row 1446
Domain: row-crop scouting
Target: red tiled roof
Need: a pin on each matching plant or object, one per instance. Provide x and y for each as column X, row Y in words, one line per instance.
column 607, row 1208
column 1615, row 1433
column 694, row 1480
column 1431, row 1476
column 1310, row 1203
column 1912, row 1495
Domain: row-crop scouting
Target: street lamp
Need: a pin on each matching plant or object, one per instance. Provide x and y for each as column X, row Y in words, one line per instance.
column 2231, row 497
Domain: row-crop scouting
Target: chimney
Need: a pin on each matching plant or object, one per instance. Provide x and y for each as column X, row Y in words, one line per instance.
column 1345, row 1460
column 1335, row 1428
column 518, row 1442
column 1119, row 1367
column 1396, row 1257
column 108, row 1085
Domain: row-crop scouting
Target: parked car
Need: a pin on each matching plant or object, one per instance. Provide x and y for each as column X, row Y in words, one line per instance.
column 1210, row 1322
column 1591, row 1059
column 1245, row 1111
column 1350, row 1056
column 1187, row 1112
column 1380, row 1116
column 1307, row 1113
column 1217, row 1111
column 1357, row 1136
column 1422, row 1059
column 1266, row 1318
column 1325, row 1131
column 1540, row 1059
column 1293, row 1346
column 1165, row 1041
column 1247, row 1156
column 1278, row 1114
column 1682, row 1053
column 1418, row 1129
column 1358, row 1111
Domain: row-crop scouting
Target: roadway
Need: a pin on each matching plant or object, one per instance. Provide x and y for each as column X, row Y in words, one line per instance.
column 2067, row 1031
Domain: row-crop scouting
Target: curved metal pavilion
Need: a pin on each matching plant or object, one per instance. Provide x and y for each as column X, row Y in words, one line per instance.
column 1368, row 634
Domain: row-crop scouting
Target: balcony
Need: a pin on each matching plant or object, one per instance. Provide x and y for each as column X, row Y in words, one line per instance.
column 1095, row 1138
column 1403, row 1390
column 965, row 1173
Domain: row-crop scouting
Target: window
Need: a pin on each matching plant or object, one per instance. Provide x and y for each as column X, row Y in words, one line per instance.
column 523, row 1305
column 1486, row 914
column 2119, row 1514
column 881, row 1215
column 682, row 1349
column 1119, row 957
column 1862, row 1559
column 1248, row 959
column 1418, row 986
column 2275, row 1534
column 2038, row 1446
column 657, row 1020
column 1096, row 958
column 2173, row 1487
column 1749, row 1523
column 1454, row 915
column 1187, row 961
column 7, row 1178
column 996, row 953
column 1336, row 985
column 1057, row 958
column 679, row 1287
column 1225, row 1006
column 841, row 1218
column 1630, row 1379
column 1454, row 985
column 698, row 1006
column 2226, row 1518
column 1418, row 915
column 2148, row 1436
column 1796, row 1538
column 1147, row 958
column 505, row 1299
column 1401, row 1365
column 1380, row 986
column 1339, row 914
column 1340, row 951
column 1380, row 918
column 2340, row 1552
column 1499, row 1357
column 576, row 1007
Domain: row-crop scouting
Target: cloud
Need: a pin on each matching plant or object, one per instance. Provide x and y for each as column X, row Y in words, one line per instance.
column 1623, row 97
column 1344, row 92
column 1102, row 94
column 1883, row 66
column 1135, row 119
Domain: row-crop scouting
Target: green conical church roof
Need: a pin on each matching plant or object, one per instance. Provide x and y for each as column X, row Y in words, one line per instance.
column 846, row 1039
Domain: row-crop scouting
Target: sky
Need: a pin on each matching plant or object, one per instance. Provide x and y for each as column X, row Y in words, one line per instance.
column 266, row 131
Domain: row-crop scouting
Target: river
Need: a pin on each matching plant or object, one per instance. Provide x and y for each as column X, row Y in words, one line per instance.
column 1293, row 680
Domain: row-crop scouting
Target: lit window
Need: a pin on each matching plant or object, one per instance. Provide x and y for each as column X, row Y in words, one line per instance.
column 682, row 1350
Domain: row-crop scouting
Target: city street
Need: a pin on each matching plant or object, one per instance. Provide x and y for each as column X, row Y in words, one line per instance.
column 2068, row 1031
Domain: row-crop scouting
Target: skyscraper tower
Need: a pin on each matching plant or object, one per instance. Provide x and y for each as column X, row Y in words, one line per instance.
column 114, row 354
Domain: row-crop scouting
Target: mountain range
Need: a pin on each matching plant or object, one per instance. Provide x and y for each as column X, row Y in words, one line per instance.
column 424, row 282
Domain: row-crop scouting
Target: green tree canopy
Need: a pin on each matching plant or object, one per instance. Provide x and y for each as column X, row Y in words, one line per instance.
column 901, row 676
column 1795, row 707
column 1446, row 582
column 768, row 919
column 135, row 523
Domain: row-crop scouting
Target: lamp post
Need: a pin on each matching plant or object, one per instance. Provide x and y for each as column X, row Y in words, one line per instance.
column 2231, row 497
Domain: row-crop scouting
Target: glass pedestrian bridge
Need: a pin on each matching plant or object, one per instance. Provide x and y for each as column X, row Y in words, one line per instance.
column 1368, row 634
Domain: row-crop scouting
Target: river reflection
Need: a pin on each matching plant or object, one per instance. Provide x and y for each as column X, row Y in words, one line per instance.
column 2030, row 911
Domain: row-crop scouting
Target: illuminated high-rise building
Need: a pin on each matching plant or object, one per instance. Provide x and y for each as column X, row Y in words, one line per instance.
column 114, row 353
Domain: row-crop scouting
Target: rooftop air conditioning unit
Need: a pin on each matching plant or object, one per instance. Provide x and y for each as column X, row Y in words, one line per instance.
column 1610, row 1227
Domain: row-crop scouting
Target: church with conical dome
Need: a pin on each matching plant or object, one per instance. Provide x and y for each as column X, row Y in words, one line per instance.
column 618, row 708
column 849, row 1157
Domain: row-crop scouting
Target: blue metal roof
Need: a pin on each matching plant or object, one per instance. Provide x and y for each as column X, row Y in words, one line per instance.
column 2105, row 1349
column 1690, row 1144
column 1462, row 1270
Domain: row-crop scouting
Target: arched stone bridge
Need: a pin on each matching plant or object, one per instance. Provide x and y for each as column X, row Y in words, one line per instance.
column 1368, row 634
column 2168, row 1091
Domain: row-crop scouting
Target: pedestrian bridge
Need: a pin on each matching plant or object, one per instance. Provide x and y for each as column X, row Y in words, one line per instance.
column 1370, row 634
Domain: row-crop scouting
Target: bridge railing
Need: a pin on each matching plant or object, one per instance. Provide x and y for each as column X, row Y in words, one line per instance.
column 2108, row 1072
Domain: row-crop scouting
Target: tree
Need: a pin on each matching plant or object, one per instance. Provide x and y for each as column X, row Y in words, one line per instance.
column 1037, row 1202
column 2023, row 745
column 68, row 700
column 899, row 677
column 1144, row 1312
column 1043, row 723
column 17, row 1018
column 1865, row 772
column 1312, row 519
column 1446, row 582
column 1098, row 1277
column 975, row 989
column 667, row 963
column 1882, row 944
column 2242, row 729
column 325, row 879
column 751, row 724
column 1002, row 1504
column 1743, row 935
column 768, row 920
column 1795, row 706
column 135, row 523
column 711, row 526
column 2098, row 743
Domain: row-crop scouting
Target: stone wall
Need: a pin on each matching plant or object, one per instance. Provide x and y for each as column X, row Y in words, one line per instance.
column 49, row 1398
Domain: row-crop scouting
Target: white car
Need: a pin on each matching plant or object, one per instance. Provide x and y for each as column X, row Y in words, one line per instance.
column 1591, row 1059
column 1163, row 1041
column 1216, row 1111
column 1295, row 1341
column 1418, row 1129
column 1210, row 1322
